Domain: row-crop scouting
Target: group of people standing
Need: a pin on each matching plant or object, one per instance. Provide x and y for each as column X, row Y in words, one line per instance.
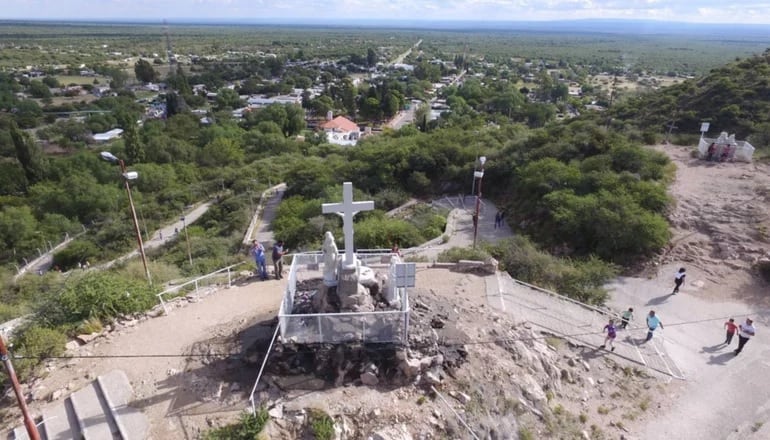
column 745, row 331
column 257, row 251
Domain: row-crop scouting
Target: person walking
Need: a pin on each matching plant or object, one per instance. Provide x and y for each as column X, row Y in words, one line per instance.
column 258, row 252
column 497, row 219
column 625, row 317
column 678, row 280
column 652, row 323
column 731, row 329
column 611, row 334
column 278, row 253
column 746, row 332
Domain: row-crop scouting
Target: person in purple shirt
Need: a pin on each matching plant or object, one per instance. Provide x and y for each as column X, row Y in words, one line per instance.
column 612, row 332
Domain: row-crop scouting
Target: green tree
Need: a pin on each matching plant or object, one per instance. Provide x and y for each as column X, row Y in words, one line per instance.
column 371, row 57
column 39, row 90
column 29, row 155
column 51, row 82
column 145, row 72
column 221, row 152
column 28, row 113
column 132, row 142
column 228, row 99
column 295, row 120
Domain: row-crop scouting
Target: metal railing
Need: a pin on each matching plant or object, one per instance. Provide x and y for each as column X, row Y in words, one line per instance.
column 196, row 283
column 388, row 326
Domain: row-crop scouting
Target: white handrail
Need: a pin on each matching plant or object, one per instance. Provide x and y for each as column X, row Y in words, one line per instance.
column 195, row 281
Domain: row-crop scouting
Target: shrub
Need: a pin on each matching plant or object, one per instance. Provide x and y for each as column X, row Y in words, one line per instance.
column 96, row 295
column 35, row 343
column 525, row 434
column 76, row 252
column 456, row 254
column 321, row 424
column 582, row 280
column 247, row 428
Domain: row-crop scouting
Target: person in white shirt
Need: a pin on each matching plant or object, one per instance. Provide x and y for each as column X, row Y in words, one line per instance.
column 678, row 280
column 745, row 332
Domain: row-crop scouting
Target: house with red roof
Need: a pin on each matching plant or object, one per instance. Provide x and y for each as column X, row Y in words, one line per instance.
column 341, row 131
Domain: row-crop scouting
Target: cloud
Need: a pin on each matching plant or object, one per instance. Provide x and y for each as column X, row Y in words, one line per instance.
column 745, row 11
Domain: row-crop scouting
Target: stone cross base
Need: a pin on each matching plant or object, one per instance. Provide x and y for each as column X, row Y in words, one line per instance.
column 347, row 284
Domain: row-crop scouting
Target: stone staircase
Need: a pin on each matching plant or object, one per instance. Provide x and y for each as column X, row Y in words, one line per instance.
column 99, row 411
column 579, row 323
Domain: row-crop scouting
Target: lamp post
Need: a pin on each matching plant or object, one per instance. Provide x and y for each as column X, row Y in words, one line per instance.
column 130, row 175
column 187, row 238
column 29, row 423
column 478, row 175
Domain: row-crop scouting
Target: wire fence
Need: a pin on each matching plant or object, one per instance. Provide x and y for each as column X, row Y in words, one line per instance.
column 388, row 326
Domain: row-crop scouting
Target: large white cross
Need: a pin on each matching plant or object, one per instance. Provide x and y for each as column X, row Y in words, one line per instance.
column 347, row 210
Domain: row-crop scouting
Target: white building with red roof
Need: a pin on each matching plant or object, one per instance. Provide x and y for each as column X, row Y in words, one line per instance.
column 341, row 131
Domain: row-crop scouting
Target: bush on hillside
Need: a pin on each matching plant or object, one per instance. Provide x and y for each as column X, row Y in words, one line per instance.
column 35, row 343
column 95, row 295
column 582, row 280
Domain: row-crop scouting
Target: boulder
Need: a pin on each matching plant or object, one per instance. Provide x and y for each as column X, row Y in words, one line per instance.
column 533, row 391
column 391, row 433
column 369, row 379
column 410, row 367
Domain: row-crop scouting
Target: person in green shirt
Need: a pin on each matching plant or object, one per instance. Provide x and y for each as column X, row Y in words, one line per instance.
column 626, row 316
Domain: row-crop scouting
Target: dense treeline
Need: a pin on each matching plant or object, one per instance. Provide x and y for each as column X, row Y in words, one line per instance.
column 733, row 98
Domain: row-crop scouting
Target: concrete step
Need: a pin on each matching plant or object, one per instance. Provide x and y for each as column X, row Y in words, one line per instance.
column 117, row 392
column 60, row 422
column 93, row 414
column 99, row 411
column 19, row 433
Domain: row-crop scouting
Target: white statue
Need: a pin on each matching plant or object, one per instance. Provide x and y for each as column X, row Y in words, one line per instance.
column 330, row 260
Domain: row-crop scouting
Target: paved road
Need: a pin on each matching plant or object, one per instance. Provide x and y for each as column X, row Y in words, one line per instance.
column 260, row 227
column 459, row 228
column 399, row 59
column 723, row 391
column 160, row 236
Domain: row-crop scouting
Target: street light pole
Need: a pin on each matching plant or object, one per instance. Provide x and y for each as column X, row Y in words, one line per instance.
column 28, row 422
column 187, row 238
column 126, row 177
column 478, row 175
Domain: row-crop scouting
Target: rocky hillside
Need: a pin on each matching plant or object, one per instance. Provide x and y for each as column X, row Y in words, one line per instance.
column 466, row 364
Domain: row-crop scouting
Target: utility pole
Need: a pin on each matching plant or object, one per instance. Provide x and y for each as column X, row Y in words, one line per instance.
column 480, row 176
column 126, row 177
column 187, row 238
column 28, row 422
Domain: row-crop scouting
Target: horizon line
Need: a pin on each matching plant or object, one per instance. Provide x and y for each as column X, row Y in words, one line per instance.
column 371, row 22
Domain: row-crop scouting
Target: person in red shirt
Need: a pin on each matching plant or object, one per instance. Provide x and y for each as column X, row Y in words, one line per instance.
column 731, row 329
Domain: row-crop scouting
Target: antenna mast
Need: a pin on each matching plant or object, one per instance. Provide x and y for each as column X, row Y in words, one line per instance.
column 169, row 50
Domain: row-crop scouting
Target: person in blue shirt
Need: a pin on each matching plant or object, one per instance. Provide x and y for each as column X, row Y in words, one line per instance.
column 258, row 252
column 652, row 323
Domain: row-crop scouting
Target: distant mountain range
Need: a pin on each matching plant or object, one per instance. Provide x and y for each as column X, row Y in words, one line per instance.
column 635, row 27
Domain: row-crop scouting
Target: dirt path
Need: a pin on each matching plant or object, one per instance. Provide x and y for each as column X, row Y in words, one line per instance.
column 176, row 392
column 720, row 211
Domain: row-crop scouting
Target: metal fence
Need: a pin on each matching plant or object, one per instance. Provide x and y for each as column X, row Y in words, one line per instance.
column 220, row 277
column 389, row 326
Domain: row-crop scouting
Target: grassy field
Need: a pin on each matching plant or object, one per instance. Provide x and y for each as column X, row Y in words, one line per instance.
column 604, row 82
column 77, row 79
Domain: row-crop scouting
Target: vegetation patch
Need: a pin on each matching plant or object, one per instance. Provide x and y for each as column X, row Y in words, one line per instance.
column 248, row 427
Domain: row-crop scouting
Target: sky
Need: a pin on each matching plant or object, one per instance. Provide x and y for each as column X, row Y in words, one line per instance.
column 298, row 11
